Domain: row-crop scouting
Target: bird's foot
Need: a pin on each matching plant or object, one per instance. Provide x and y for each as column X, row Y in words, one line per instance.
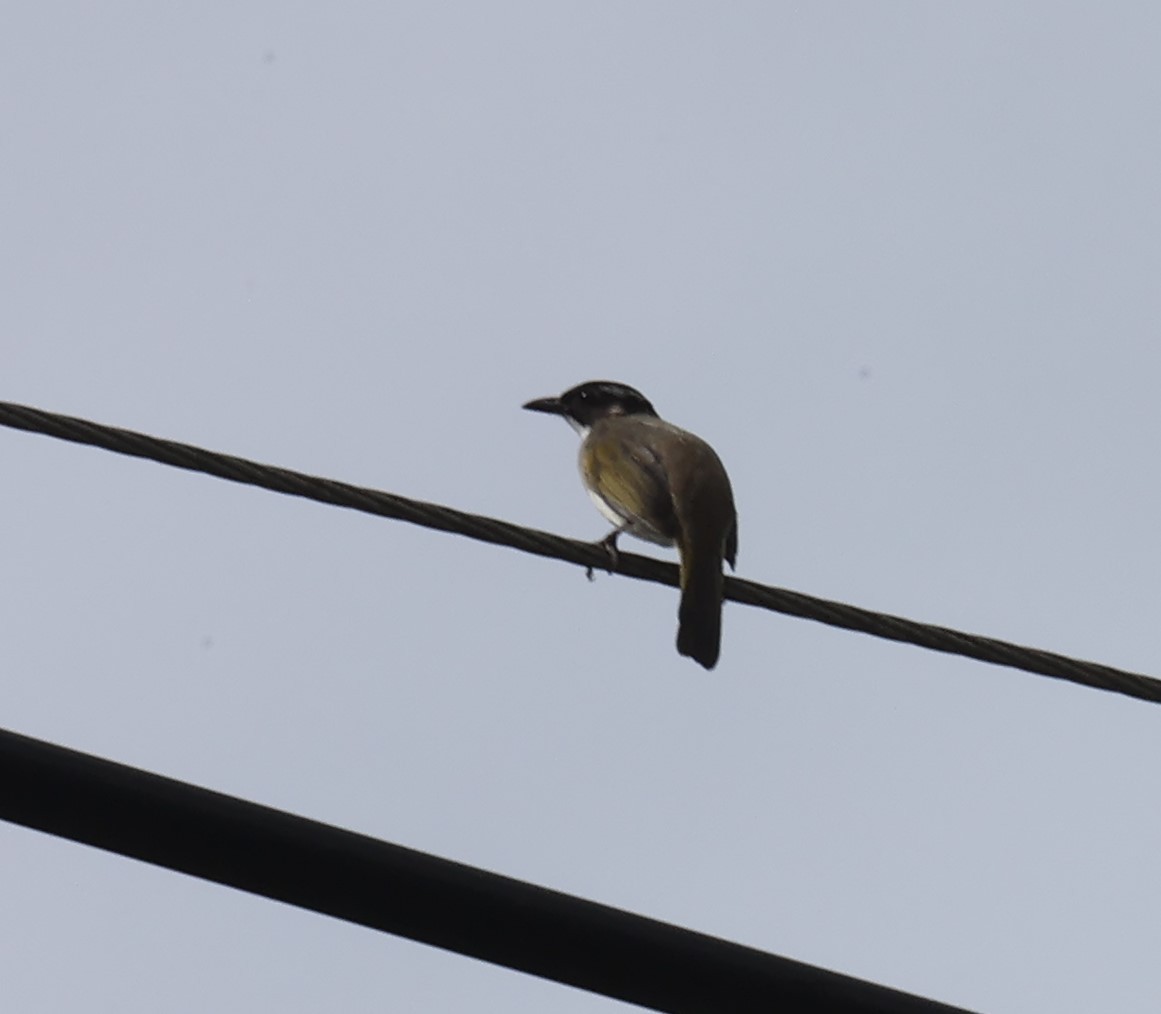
column 609, row 544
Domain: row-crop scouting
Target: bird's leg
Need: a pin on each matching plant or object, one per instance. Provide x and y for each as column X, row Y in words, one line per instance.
column 609, row 542
column 609, row 545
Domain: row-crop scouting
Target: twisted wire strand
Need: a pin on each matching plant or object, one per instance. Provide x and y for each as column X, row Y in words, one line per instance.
column 585, row 554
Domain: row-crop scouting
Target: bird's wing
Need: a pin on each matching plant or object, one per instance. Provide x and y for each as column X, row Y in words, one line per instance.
column 624, row 467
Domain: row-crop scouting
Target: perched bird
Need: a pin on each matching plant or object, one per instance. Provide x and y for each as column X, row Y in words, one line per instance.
column 661, row 484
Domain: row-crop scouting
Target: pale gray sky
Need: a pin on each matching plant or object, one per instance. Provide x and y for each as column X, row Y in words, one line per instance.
column 898, row 262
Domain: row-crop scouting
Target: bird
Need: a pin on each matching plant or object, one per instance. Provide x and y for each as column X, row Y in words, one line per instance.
column 661, row 484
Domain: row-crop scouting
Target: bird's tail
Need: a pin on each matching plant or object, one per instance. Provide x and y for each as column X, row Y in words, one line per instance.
column 699, row 617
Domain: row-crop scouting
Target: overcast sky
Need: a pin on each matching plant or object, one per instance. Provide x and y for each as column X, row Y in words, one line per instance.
column 899, row 263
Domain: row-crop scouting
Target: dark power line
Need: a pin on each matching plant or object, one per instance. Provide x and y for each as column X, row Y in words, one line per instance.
column 586, row 554
column 412, row 894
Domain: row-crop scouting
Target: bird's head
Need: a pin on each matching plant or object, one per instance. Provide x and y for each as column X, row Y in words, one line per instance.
column 584, row 404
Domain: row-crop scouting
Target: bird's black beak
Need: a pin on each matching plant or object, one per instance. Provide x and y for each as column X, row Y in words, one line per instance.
column 552, row 406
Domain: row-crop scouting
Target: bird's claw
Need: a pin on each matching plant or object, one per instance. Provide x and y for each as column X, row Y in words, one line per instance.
column 609, row 544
